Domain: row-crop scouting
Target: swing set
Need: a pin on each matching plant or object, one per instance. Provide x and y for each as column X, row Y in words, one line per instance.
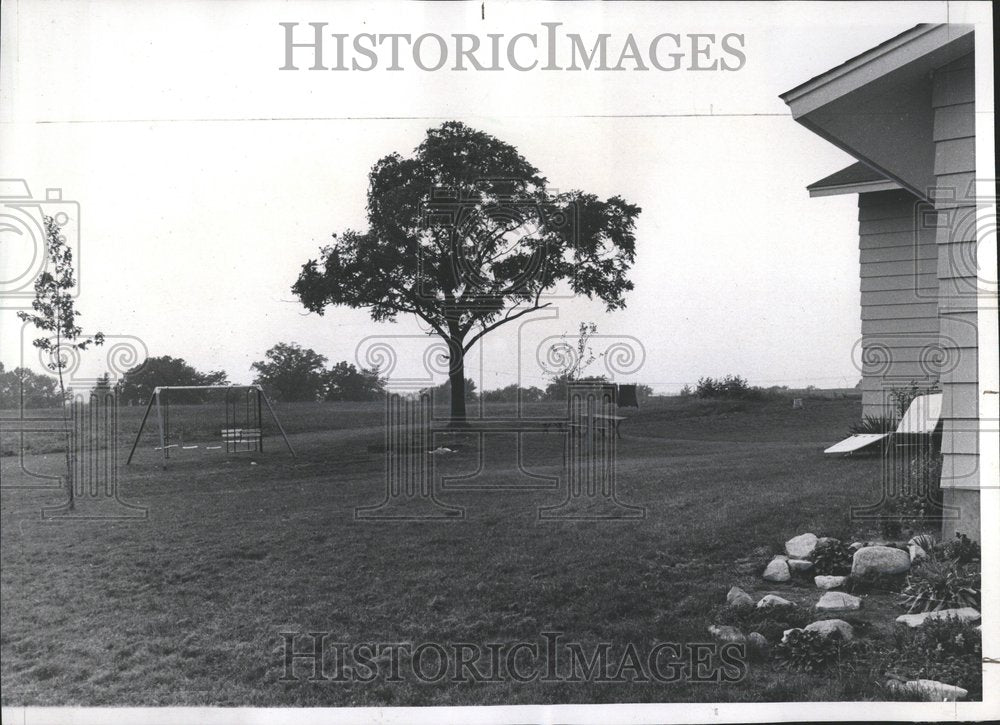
column 241, row 432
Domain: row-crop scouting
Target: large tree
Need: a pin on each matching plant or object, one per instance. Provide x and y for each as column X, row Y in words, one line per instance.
column 345, row 382
column 138, row 383
column 291, row 373
column 466, row 235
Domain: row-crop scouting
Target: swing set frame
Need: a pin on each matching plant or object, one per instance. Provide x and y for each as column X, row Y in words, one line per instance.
column 162, row 402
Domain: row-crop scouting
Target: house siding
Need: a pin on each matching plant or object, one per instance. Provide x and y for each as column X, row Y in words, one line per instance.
column 899, row 285
column 953, row 100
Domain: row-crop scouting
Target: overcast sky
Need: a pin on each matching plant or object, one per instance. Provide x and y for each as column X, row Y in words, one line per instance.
column 206, row 176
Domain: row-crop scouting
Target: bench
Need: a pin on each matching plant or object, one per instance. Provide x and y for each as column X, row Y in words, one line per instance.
column 600, row 422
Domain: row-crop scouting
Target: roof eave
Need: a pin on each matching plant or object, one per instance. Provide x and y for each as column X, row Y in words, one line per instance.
column 874, row 63
column 861, row 188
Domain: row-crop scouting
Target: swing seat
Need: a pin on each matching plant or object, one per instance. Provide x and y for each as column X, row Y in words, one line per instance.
column 241, row 435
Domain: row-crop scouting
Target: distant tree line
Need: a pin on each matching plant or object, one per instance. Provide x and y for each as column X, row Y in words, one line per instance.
column 556, row 390
column 288, row 373
column 292, row 373
column 22, row 386
column 730, row 386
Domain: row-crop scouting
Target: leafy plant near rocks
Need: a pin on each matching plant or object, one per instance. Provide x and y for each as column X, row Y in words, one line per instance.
column 769, row 621
column 935, row 585
column 903, row 395
column 918, row 502
column 925, row 541
column 831, row 557
column 946, row 650
column 961, row 549
column 810, row 651
column 874, row 583
column 869, row 660
column 874, row 424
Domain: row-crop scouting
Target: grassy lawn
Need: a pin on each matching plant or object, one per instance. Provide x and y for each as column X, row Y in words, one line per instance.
column 185, row 607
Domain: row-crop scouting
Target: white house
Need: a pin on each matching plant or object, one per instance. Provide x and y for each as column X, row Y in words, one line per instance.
column 905, row 110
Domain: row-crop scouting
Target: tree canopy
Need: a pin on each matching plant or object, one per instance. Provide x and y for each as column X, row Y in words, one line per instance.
column 137, row 384
column 24, row 386
column 344, row 381
column 466, row 235
column 291, row 373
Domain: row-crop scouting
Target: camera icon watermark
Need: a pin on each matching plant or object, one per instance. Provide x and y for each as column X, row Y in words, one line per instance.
column 62, row 409
column 23, row 248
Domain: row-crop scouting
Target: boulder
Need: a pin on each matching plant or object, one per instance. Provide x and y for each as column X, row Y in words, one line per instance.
column 777, row 571
column 826, row 627
column 799, row 565
column 968, row 614
column 824, row 541
column 837, row 602
column 773, row 600
column 757, row 646
column 725, row 633
column 880, row 560
column 934, row 691
column 829, row 582
column 738, row 598
column 784, row 635
column 801, row 546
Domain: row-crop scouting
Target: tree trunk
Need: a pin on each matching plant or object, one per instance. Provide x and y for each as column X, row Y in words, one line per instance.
column 456, row 376
column 67, row 425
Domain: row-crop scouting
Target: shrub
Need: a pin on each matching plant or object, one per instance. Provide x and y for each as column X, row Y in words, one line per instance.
column 961, row 549
column 919, row 500
column 947, row 650
column 832, row 557
column 935, row 585
column 889, row 522
column 707, row 388
column 512, row 394
column 902, row 396
column 875, row 424
column 731, row 386
column 810, row 651
column 875, row 583
column 927, row 542
column 769, row 621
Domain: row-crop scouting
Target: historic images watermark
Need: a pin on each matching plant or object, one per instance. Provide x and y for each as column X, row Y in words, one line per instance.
column 550, row 658
column 85, row 425
column 318, row 46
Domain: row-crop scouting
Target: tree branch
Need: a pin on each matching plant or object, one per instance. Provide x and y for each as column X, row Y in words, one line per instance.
column 507, row 318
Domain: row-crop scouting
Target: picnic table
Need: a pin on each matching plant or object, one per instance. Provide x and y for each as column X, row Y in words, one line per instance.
column 602, row 422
